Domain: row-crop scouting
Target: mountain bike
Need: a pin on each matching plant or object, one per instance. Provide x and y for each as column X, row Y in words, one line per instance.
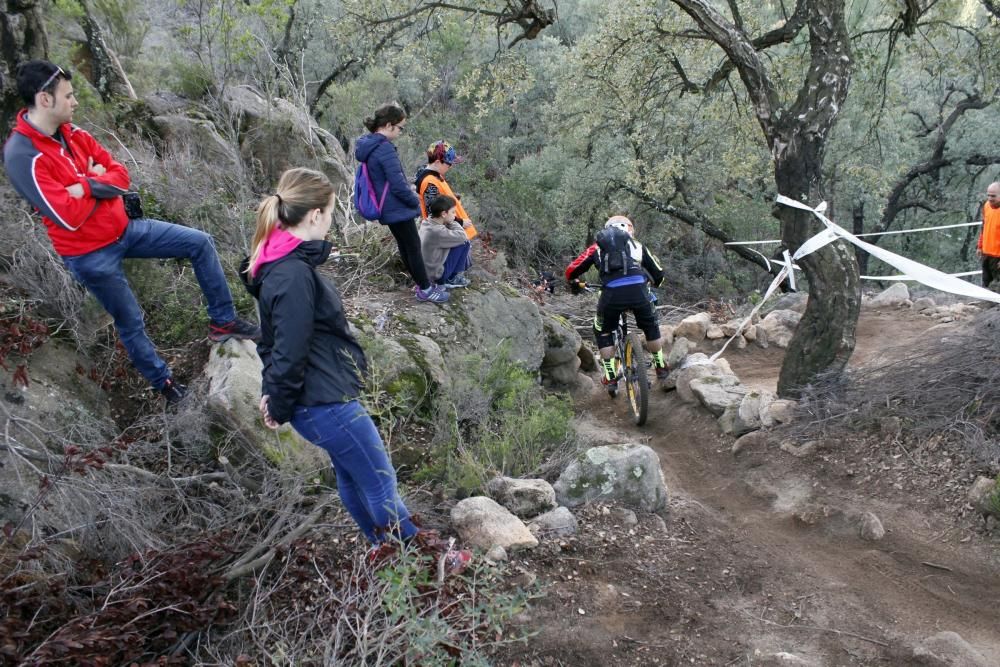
column 633, row 369
column 631, row 365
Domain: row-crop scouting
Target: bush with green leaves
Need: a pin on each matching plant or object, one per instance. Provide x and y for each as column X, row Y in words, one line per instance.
column 494, row 418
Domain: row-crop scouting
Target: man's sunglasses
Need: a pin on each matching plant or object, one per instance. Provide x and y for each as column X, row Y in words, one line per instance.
column 59, row 71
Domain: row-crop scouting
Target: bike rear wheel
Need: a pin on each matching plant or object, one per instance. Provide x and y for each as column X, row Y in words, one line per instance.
column 636, row 379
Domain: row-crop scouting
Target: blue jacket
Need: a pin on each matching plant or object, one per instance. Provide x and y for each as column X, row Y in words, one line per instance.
column 401, row 202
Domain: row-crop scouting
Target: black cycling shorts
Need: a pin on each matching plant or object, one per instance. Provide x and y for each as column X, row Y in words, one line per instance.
column 616, row 300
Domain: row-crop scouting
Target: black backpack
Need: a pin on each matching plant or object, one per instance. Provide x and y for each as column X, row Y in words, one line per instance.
column 615, row 259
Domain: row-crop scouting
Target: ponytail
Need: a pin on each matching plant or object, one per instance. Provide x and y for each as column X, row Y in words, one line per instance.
column 299, row 191
column 268, row 216
column 387, row 114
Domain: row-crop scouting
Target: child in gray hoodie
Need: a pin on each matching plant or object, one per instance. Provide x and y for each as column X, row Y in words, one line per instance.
column 444, row 244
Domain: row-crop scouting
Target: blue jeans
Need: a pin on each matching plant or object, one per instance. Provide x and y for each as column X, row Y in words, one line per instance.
column 366, row 479
column 456, row 262
column 101, row 272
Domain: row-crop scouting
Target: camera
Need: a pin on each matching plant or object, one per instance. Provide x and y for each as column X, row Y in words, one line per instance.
column 133, row 205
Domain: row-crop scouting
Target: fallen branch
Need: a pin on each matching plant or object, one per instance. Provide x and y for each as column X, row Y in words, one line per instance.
column 817, row 628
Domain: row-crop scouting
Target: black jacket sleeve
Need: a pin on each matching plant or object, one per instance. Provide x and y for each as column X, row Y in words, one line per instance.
column 292, row 307
column 652, row 266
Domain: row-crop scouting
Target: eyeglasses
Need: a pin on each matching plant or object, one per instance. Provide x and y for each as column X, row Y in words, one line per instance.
column 59, row 70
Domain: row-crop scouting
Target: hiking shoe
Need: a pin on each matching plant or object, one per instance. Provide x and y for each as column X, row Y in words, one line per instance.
column 434, row 294
column 380, row 552
column 456, row 281
column 239, row 329
column 456, row 560
column 173, row 391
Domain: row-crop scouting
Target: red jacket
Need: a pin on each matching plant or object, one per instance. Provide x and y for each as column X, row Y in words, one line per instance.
column 40, row 169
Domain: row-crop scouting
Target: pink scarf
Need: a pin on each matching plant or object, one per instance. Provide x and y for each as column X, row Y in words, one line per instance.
column 278, row 244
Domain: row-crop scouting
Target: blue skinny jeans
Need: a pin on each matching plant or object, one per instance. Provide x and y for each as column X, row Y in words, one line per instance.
column 366, row 479
column 103, row 274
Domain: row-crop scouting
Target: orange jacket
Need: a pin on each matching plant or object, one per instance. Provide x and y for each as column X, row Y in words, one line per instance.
column 428, row 177
column 989, row 238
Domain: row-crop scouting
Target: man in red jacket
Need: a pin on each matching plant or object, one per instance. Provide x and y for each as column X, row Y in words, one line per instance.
column 77, row 187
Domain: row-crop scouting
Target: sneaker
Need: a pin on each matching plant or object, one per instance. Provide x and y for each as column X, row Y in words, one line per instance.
column 380, row 552
column 610, row 385
column 173, row 391
column 662, row 373
column 436, row 294
column 456, row 560
column 239, row 329
column 458, row 280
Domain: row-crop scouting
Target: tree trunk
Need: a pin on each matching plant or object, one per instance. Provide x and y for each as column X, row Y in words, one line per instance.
column 105, row 72
column 824, row 339
column 797, row 135
column 22, row 37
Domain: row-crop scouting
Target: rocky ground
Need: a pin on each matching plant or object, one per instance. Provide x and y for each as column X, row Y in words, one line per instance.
column 764, row 558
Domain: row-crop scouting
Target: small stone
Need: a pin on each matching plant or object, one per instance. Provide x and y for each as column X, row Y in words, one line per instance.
column 871, row 528
column 629, row 518
column 497, row 554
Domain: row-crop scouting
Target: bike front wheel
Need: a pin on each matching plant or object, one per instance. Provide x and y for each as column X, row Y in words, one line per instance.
column 636, row 379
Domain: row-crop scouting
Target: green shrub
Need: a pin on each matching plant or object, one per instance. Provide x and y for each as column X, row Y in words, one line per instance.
column 494, row 419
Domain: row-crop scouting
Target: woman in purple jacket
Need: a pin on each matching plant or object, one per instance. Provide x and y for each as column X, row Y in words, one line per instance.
column 401, row 206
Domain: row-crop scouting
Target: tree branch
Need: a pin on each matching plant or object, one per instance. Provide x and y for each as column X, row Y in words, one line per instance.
column 698, row 221
column 744, row 57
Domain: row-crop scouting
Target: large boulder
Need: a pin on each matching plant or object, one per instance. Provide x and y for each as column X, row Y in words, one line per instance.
column 694, row 327
column 560, row 522
column 183, row 134
column 791, row 301
column 524, row 497
column 719, row 392
column 561, row 360
column 750, row 414
column 679, row 351
column 779, row 327
column 275, row 134
column 948, row 649
column 695, row 366
column 482, row 523
column 482, row 318
column 985, row 496
column 628, row 473
column 233, row 373
column 895, row 296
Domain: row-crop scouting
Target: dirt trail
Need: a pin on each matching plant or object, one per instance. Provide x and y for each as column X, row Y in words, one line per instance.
column 763, row 558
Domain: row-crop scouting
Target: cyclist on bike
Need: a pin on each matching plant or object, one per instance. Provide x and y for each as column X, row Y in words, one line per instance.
column 625, row 267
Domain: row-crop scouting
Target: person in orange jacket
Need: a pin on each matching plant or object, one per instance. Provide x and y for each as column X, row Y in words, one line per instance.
column 430, row 183
column 988, row 245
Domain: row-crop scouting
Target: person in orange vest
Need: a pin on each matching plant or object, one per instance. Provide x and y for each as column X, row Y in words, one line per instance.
column 989, row 238
column 430, row 183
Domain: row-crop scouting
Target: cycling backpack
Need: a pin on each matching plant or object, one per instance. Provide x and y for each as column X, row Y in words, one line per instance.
column 615, row 258
column 365, row 202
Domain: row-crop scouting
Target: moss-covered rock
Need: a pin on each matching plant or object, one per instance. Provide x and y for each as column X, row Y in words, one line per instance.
column 627, row 473
column 233, row 373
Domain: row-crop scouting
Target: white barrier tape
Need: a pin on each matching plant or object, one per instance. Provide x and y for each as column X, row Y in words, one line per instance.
column 917, row 271
column 897, row 277
column 912, row 270
column 953, row 275
column 767, row 295
column 895, row 231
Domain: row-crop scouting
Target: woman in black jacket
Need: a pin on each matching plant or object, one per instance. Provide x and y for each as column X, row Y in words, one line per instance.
column 313, row 366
